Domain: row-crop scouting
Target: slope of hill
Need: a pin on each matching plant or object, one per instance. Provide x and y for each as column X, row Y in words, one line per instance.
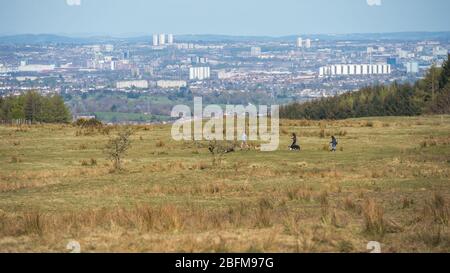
column 430, row 95
column 388, row 181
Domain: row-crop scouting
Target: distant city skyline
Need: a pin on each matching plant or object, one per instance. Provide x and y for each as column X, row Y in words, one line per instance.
column 232, row 17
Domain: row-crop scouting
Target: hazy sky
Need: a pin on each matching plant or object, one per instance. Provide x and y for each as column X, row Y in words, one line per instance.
column 235, row 17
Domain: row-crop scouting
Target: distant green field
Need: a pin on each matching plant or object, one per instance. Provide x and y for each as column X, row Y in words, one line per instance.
column 124, row 117
column 389, row 181
column 124, row 107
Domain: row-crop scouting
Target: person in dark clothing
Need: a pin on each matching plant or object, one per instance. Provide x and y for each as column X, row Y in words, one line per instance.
column 294, row 146
column 333, row 144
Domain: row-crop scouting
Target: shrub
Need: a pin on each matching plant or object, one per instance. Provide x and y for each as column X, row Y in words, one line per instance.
column 117, row 147
column 88, row 123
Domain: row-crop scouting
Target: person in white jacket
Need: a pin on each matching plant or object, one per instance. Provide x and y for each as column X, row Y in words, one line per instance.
column 244, row 141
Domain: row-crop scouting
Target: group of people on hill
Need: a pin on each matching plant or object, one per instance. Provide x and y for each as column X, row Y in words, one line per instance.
column 295, row 147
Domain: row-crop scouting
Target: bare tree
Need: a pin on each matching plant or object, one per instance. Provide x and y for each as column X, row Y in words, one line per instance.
column 117, row 147
column 219, row 149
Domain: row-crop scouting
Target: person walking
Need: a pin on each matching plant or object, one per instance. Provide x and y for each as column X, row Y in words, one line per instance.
column 333, row 144
column 294, row 140
column 244, row 141
column 294, row 146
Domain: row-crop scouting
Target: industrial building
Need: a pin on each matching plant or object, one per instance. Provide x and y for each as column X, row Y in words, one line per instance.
column 35, row 67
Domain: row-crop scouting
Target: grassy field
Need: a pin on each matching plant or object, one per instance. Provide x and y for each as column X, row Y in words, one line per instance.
column 388, row 182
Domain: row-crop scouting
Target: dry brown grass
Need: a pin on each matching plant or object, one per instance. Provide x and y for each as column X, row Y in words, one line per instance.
column 300, row 193
column 144, row 218
column 432, row 141
column 437, row 209
column 15, row 159
column 173, row 198
column 350, row 205
column 160, row 144
column 373, row 214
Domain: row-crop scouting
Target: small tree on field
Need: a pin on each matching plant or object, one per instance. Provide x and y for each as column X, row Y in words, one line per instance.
column 117, row 147
column 219, row 149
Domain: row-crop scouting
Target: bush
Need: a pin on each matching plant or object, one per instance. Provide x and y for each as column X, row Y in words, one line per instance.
column 117, row 147
column 83, row 123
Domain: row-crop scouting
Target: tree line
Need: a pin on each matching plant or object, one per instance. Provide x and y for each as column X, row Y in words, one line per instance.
column 430, row 95
column 34, row 107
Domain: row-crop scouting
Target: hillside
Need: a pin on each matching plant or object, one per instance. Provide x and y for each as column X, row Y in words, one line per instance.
column 388, row 181
column 427, row 96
